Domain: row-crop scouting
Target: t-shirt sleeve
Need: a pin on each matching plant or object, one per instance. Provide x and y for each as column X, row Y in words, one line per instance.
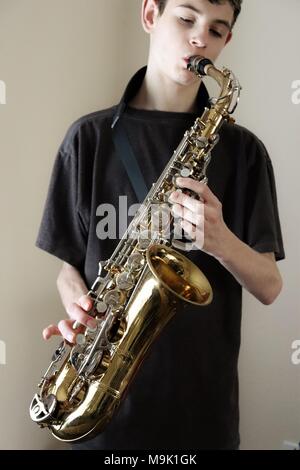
column 262, row 224
column 63, row 231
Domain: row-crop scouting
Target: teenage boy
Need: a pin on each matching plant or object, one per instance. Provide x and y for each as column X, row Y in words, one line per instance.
column 186, row 393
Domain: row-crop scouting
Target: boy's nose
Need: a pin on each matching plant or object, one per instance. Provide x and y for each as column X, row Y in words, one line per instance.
column 199, row 39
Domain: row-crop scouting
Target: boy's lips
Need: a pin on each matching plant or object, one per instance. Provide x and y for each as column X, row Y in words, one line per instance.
column 186, row 60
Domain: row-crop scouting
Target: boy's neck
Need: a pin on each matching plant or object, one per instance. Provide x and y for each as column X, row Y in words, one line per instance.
column 160, row 94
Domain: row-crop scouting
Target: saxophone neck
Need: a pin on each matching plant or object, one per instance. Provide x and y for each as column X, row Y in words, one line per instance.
column 230, row 87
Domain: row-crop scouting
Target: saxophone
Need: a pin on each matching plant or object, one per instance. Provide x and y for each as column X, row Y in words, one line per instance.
column 137, row 291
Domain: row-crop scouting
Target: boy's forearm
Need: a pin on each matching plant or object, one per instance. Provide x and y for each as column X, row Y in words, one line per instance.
column 70, row 285
column 257, row 272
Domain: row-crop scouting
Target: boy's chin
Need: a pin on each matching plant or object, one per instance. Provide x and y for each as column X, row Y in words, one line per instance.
column 187, row 78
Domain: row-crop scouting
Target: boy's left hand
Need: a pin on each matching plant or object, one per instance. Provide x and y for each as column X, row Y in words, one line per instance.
column 202, row 219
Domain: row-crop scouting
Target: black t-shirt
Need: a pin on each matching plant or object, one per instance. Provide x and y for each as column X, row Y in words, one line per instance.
column 185, row 395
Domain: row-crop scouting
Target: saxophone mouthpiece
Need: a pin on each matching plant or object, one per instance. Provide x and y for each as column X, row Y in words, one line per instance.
column 198, row 64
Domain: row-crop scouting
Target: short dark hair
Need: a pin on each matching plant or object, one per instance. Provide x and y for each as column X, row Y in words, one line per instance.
column 236, row 5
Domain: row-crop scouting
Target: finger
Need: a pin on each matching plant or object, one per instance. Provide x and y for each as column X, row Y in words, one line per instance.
column 51, row 330
column 85, row 302
column 189, row 228
column 67, row 331
column 76, row 313
column 200, row 188
column 190, row 216
column 196, row 235
column 188, row 202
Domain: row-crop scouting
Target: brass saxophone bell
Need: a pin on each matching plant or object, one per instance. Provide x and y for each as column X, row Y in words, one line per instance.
column 180, row 275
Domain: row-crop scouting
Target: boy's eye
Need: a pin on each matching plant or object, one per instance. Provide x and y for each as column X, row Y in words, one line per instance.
column 186, row 20
column 215, row 33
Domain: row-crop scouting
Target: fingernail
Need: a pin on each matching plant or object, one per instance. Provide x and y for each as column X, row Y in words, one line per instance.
column 86, row 305
column 70, row 338
column 179, row 180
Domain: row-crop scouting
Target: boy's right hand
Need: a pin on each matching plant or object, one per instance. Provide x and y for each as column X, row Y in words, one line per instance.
column 77, row 313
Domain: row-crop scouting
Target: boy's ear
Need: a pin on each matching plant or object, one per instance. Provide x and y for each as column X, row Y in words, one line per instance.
column 228, row 39
column 149, row 14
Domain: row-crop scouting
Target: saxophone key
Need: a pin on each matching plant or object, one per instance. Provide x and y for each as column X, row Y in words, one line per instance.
column 214, row 139
column 177, row 175
column 125, row 281
column 97, row 285
column 80, row 339
column 92, row 329
column 201, row 142
column 101, row 306
column 113, row 298
column 136, row 262
column 186, row 172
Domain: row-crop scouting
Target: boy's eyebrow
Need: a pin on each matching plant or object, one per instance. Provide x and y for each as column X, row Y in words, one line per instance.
column 219, row 21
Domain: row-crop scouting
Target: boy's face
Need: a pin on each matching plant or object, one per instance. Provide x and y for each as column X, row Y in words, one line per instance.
column 186, row 28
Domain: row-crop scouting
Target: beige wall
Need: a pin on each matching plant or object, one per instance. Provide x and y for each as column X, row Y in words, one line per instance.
column 266, row 59
column 65, row 58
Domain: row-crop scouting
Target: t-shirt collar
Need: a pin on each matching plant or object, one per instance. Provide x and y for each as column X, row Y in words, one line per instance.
column 136, row 82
